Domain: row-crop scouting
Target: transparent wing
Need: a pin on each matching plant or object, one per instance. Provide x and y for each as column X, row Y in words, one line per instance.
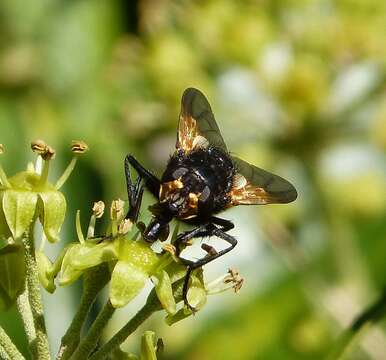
column 255, row 186
column 197, row 120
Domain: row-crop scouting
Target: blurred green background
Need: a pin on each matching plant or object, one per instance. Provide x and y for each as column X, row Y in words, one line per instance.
column 298, row 88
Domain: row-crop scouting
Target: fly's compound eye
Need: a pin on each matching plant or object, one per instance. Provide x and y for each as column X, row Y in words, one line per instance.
column 180, row 172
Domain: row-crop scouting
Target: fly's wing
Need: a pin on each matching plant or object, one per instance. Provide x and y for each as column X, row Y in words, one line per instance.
column 255, row 186
column 197, row 126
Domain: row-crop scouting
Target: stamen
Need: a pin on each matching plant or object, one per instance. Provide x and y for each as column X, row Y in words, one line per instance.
column 79, row 228
column 78, row 148
column 125, row 226
column 47, row 153
column 98, row 210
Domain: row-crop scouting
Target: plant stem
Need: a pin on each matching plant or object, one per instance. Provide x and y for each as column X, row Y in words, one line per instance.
column 144, row 313
column 371, row 315
column 88, row 344
column 8, row 347
column 24, row 309
column 35, row 300
column 94, row 281
column 152, row 305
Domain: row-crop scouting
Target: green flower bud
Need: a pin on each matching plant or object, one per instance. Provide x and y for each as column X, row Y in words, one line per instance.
column 196, row 293
column 119, row 354
column 68, row 273
column 12, row 279
column 163, row 288
column 45, row 273
column 178, row 316
column 148, row 349
column 127, row 281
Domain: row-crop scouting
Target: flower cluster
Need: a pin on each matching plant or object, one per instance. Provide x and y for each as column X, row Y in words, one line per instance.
column 132, row 262
column 120, row 257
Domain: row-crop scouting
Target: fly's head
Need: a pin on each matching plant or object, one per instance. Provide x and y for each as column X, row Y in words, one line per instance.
column 182, row 195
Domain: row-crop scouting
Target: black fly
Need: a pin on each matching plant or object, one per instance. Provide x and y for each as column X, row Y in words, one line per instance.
column 201, row 179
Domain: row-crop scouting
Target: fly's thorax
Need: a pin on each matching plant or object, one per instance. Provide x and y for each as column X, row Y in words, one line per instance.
column 197, row 183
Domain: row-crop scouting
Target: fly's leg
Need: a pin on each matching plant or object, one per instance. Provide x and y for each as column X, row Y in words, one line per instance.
column 217, row 227
column 135, row 189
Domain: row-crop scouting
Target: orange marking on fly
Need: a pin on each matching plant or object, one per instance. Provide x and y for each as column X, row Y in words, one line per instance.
column 167, row 189
column 191, row 209
column 187, row 132
column 244, row 193
column 193, row 200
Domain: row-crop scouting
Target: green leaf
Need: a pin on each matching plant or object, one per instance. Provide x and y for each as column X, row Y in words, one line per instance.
column 148, row 349
column 12, row 279
column 53, row 212
column 19, row 208
column 45, row 272
column 126, row 283
column 163, row 288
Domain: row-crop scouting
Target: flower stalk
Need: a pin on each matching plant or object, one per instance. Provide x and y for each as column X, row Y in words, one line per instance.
column 371, row 315
column 90, row 341
column 151, row 306
column 32, row 281
column 8, row 347
column 25, row 311
column 94, row 281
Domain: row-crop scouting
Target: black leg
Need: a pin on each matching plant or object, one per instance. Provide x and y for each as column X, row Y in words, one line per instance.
column 217, row 227
column 183, row 238
column 134, row 193
column 202, row 231
column 135, row 190
column 151, row 182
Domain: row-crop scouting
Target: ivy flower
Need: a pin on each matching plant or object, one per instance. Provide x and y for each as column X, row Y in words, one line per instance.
column 29, row 195
column 133, row 262
column 24, row 198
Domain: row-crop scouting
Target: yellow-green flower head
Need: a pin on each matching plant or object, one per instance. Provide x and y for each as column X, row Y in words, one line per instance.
column 132, row 261
column 24, row 198
column 29, row 195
